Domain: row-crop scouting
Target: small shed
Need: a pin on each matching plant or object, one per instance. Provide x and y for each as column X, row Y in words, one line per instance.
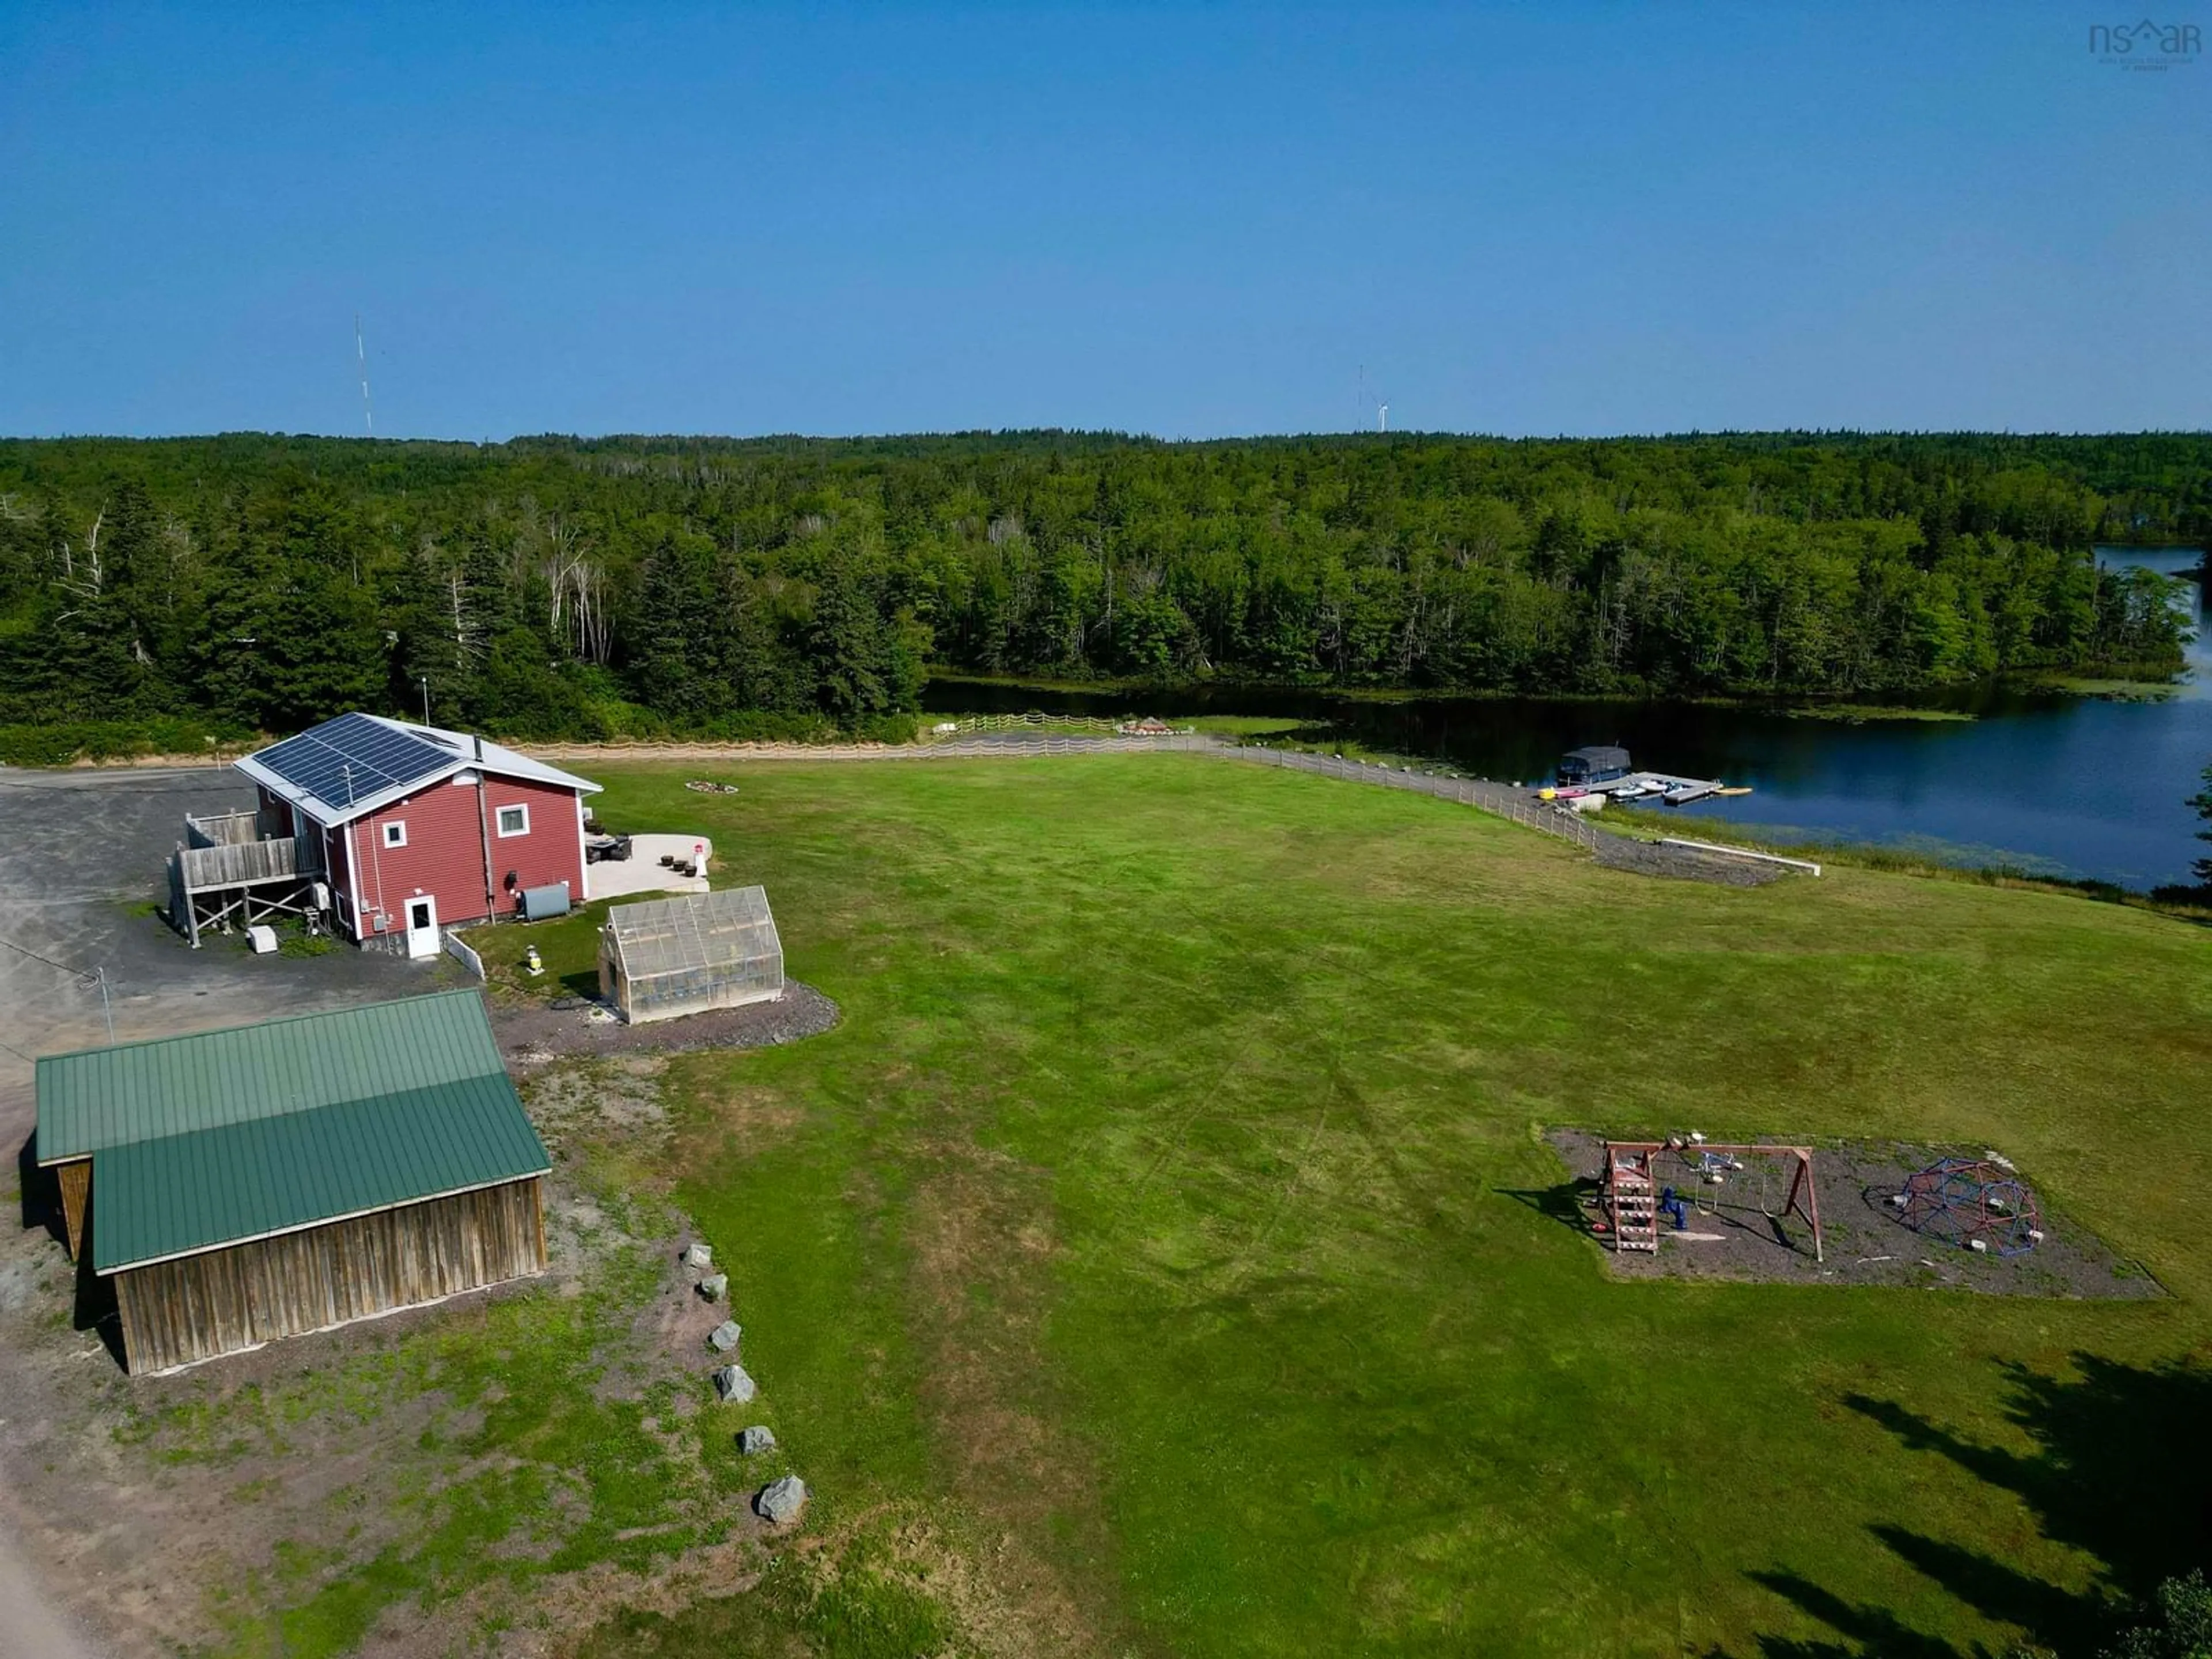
column 241, row 1185
column 667, row 958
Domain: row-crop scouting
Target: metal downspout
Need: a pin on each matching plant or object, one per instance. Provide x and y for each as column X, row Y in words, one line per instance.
column 483, row 831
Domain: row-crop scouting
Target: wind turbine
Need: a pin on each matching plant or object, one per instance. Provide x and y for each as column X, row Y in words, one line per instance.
column 1382, row 404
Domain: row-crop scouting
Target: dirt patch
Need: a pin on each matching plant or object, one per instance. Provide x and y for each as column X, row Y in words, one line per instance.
column 1648, row 857
column 756, row 1119
column 532, row 1033
column 983, row 1243
column 622, row 1095
column 1733, row 1231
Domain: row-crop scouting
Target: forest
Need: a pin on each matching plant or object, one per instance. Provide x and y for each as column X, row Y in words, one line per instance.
column 568, row 587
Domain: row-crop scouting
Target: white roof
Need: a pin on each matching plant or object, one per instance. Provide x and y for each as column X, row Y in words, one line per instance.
column 358, row 763
column 725, row 928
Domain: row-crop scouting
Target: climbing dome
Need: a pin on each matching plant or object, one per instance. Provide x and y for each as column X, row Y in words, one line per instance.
column 1974, row 1203
column 667, row 958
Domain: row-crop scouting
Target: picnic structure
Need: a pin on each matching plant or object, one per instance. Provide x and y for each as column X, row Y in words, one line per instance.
column 392, row 831
column 240, row 1185
column 664, row 958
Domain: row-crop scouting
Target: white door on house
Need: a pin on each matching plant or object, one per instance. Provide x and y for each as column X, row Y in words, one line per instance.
column 422, row 927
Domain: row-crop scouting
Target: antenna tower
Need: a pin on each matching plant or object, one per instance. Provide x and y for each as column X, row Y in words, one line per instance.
column 360, row 357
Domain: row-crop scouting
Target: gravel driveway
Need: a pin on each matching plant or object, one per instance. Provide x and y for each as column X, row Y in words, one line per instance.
column 82, row 855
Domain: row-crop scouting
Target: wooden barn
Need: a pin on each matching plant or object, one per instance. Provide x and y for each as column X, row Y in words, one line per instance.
column 242, row 1185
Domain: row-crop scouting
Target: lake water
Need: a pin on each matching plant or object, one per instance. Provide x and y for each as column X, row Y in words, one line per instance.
column 2057, row 785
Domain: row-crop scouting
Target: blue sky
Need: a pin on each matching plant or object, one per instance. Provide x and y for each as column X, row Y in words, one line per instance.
column 1189, row 220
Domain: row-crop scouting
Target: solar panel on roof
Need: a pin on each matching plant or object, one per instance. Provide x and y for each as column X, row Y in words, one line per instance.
column 342, row 760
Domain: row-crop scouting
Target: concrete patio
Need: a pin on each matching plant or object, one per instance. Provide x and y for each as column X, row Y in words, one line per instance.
column 644, row 873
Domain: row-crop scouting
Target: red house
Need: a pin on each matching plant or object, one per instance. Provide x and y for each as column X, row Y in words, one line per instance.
column 419, row 829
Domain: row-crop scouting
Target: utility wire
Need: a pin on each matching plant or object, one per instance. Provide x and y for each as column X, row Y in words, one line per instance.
column 94, row 976
column 25, row 950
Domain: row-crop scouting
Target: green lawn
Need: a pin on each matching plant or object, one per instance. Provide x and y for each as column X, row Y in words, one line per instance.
column 1163, row 1233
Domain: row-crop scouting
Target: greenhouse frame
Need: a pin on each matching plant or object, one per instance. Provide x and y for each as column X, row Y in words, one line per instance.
column 667, row 958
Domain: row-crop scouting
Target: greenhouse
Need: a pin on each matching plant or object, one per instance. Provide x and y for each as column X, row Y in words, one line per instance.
column 667, row 958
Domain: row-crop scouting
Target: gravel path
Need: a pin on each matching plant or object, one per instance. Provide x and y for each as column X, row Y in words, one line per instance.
column 31, row 1627
column 1648, row 857
column 532, row 1033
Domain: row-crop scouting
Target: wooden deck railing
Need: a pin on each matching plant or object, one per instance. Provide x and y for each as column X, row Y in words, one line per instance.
column 221, row 830
column 243, row 863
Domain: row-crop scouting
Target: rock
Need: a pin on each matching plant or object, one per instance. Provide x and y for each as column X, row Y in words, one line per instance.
column 699, row 1256
column 782, row 1501
column 756, row 1438
column 725, row 1336
column 734, row 1382
column 713, row 1287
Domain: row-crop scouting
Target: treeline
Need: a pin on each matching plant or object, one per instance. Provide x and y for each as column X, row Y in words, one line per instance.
column 562, row 587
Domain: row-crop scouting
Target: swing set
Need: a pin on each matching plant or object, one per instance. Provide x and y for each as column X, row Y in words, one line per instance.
column 1642, row 1179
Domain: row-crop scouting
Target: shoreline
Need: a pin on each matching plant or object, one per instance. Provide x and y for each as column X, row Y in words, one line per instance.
column 2091, row 682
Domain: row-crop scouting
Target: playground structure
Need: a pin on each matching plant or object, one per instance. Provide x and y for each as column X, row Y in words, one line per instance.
column 1640, row 1181
column 1979, row 1204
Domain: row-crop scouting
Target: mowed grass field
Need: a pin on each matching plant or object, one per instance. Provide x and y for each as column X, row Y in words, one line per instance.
column 1168, row 1225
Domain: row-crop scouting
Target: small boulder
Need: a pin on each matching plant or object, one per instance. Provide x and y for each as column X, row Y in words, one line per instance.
column 782, row 1501
column 757, row 1438
column 735, row 1382
column 699, row 1256
column 713, row 1287
column 725, row 1336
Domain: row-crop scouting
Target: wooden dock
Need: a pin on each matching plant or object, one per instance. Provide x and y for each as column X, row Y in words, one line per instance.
column 1664, row 786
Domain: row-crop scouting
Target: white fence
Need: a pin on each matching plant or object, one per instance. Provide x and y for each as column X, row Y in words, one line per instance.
column 976, row 747
column 1035, row 720
column 462, row 954
column 1740, row 853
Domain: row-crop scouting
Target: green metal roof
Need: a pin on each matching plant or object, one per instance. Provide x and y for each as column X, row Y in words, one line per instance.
column 135, row 1092
column 181, row 1194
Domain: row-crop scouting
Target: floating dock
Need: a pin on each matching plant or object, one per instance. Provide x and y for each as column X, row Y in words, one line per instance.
column 1662, row 787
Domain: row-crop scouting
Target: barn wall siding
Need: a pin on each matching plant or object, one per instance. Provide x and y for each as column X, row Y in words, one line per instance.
column 176, row 1312
column 444, row 857
column 74, row 1179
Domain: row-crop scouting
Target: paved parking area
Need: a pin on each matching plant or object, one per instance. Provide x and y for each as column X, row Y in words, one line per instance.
column 82, row 865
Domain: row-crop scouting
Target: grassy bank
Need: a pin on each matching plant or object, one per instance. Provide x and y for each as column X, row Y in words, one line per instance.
column 2113, row 689
column 1969, row 865
column 2140, row 682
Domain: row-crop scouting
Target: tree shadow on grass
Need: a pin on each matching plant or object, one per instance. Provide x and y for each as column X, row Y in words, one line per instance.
column 2120, row 1468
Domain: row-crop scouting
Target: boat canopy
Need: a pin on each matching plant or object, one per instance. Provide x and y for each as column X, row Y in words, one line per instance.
column 1593, row 764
